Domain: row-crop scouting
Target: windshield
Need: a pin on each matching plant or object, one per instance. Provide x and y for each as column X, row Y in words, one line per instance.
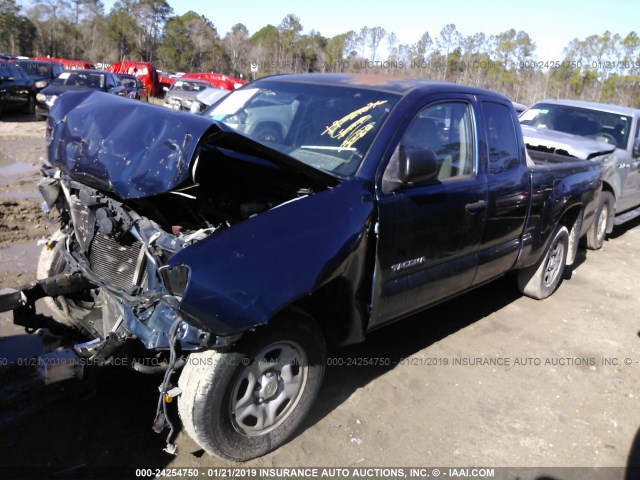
column 329, row 128
column 611, row 128
column 128, row 82
column 36, row 68
column 80, row 79
column 188, row 86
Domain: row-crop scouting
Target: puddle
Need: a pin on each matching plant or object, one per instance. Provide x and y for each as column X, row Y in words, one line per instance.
column 21, row 256
column 22, row 195
column 17, row 168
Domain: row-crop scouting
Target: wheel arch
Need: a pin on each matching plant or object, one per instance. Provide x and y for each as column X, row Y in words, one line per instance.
column 336, row 310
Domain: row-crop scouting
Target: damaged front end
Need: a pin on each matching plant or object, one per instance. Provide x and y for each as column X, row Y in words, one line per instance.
column 124, row 208
column 176, row 234
column 122, row 256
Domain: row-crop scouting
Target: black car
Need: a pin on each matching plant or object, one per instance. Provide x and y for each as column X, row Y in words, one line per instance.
column 16, row 89
column 134, row 87
column 42, row 73
column 76, row 80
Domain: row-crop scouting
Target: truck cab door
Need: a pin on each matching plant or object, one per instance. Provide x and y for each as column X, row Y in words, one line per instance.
column 509, row 187
column 431, row 212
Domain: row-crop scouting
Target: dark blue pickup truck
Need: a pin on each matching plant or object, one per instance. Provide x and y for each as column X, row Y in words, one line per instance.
column 298, row 213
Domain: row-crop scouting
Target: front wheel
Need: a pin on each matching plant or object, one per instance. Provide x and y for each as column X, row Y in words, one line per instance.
column 30, row 106
column 598, row 230
column 541, row 280
column 243, row 404
column 71, row 310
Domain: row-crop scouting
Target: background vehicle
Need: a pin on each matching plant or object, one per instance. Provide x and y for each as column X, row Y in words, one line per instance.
column 183, row 92
column 519, row 107
column 68, row 63
column 17, row 91
column 241, row 258
column 133, row 87
column 206, row 98
column 145, row 71
column 42, row 73
column 71, row 80
column 217, row 80
column 618, row 128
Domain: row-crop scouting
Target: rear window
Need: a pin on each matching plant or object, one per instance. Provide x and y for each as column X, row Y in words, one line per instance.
column 36, row 68
column 80, row 79
column 186, row 86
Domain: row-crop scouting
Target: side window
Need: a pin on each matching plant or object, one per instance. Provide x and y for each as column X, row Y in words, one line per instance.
column 502, row 140
column 446, row 129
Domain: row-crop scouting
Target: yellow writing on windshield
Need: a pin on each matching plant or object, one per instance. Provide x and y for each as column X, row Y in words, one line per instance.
column 356, row 130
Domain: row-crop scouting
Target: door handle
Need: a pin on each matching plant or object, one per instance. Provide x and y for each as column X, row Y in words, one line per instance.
column 475, row 206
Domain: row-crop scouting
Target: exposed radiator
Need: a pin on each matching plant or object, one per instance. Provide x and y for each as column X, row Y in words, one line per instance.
column 115, row 263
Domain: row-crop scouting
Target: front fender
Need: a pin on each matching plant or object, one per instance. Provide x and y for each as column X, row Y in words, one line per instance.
column 242, row 276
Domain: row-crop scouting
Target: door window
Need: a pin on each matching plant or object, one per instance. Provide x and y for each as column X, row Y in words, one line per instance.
column 446, row 129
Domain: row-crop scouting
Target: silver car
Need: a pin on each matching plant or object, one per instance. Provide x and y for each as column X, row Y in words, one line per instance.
column 183, row 92
column 618, row 128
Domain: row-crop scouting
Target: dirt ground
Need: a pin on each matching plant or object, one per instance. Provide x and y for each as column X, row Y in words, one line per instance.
column 490, row 379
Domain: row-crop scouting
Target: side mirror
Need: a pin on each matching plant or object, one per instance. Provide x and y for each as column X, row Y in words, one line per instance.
column 636, row 148
column 416, row 165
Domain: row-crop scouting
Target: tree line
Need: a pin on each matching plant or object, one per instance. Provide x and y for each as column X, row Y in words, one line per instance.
column 602, row 67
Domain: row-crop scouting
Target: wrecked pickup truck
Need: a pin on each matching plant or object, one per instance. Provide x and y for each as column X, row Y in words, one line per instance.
column 236, row 261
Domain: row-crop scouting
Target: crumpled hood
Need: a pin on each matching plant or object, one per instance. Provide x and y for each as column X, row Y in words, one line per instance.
column 120, row 145
column 574, row 145
column 134, row 150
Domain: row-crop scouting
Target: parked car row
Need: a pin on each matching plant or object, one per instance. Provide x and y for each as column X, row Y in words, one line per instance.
column 32, row 86
column 17, row 90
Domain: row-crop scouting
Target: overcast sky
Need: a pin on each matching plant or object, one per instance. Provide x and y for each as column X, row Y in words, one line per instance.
column 552, row 24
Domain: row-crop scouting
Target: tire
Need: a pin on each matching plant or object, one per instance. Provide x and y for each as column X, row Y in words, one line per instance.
column 238, row 408
column 30, row 107
column 268, row 133
column 69, row 311
column 598, row 231
column 542, row 279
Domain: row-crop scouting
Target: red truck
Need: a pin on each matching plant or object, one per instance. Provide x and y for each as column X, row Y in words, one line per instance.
column 143, row 70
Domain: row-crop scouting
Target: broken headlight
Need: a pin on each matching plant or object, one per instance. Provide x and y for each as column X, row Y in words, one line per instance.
column 175, row 279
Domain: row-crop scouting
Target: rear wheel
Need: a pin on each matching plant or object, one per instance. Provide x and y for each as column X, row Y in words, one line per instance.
column 243, row 404
column 542, row 279
column 598, row 231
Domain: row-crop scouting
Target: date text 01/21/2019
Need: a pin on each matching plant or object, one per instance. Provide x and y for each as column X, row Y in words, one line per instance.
column 579, row 64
